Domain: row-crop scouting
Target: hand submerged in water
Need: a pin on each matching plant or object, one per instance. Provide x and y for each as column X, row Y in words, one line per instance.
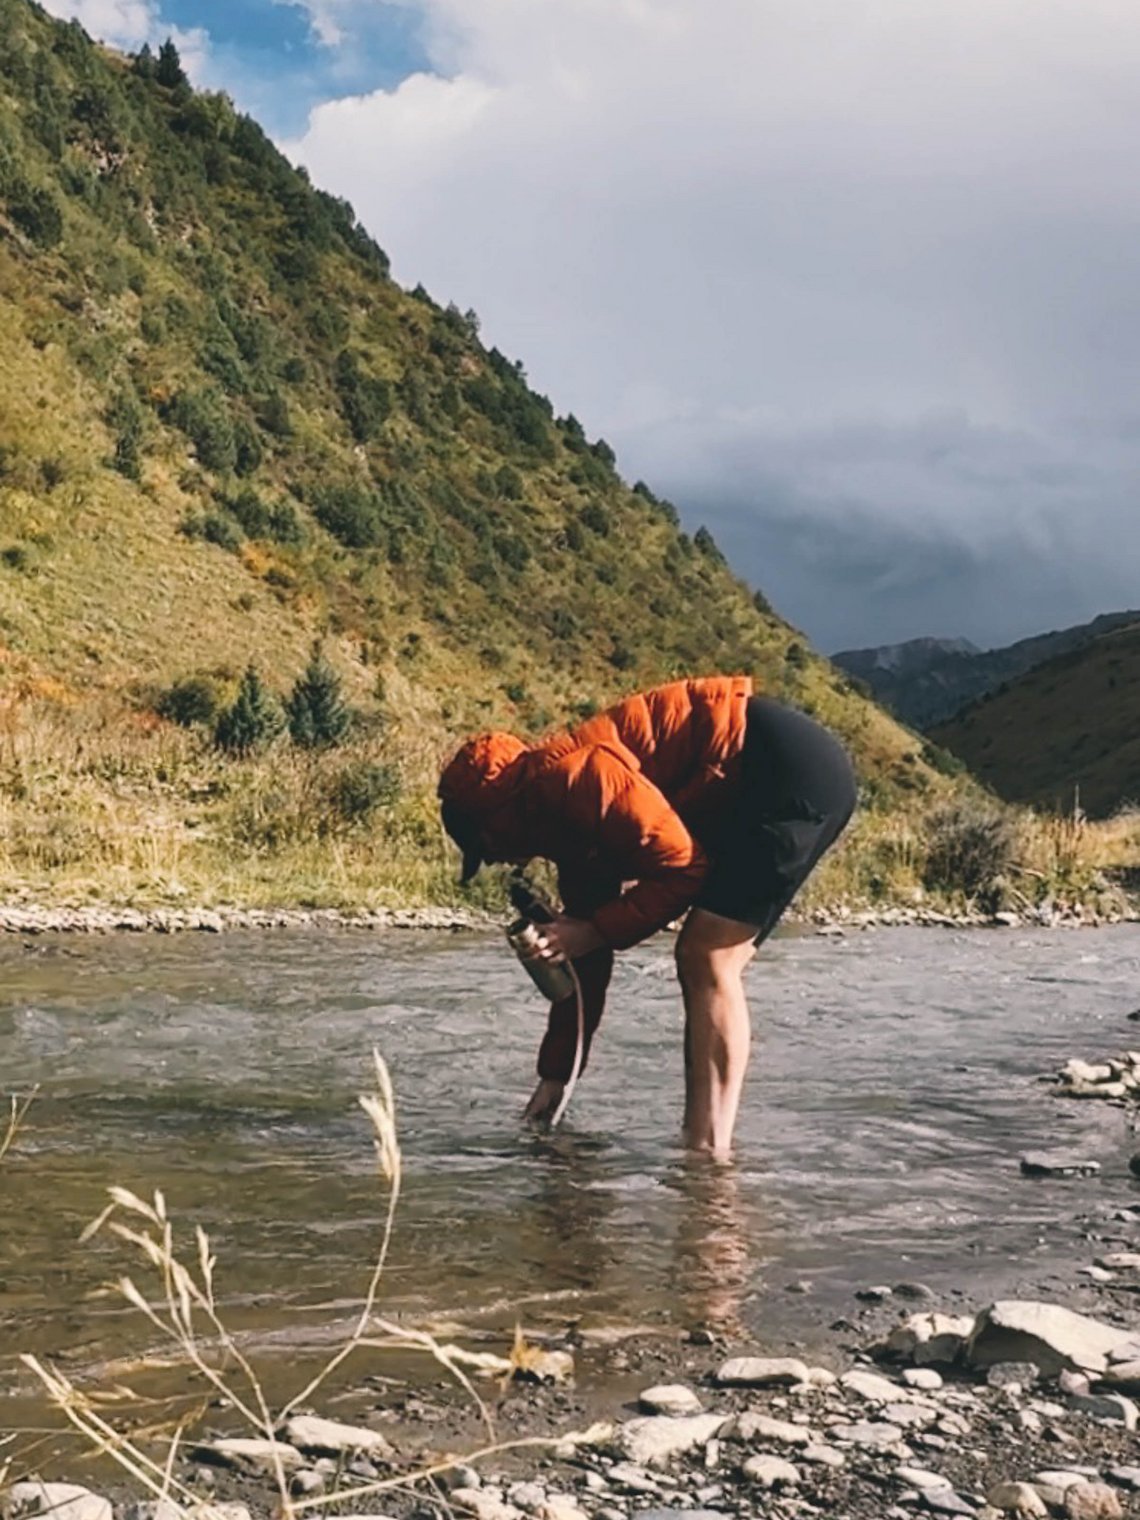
column 544, row 1101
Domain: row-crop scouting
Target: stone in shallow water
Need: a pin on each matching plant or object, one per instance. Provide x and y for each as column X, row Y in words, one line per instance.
column 329, row 1437
column 1057, row 1164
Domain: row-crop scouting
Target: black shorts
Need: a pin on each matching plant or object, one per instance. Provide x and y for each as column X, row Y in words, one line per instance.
column 797, row 792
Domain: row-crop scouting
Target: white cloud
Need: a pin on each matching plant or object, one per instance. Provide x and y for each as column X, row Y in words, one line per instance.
column 798, row 259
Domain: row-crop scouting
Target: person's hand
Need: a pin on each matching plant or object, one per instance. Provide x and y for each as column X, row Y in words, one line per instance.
column 544, row 1101
column 571, row 937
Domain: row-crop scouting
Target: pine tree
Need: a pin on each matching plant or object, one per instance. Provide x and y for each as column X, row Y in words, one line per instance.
column 143, row 63
column 169, row 71
column 252, row 721
column 318, row 715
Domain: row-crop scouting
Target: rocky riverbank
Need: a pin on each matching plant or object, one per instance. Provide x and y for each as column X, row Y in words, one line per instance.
column 1022, row 1409
column 34, row 919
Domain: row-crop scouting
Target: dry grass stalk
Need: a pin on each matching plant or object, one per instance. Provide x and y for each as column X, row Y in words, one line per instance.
column 16, row 1116
column 186, row 1314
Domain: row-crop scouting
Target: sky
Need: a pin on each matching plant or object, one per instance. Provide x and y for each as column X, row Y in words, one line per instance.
column 853, row 282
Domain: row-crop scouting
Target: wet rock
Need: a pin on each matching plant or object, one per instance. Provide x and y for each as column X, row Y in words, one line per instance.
column 1106, row 1406
column 770, row 1472
column 64, row 1501
column 762, row 1372
column 931, row 1339
column 871, row 1435
column 1057, row 1164
column 1016, row 1499
column 670, row 1398
column 249, row 1455
column 329, row 1437
column 1047, row 1335
column 754, row 1426
column 484, row 1505
column 653, row 1439
column 924, row 1379
column 1093, row 1501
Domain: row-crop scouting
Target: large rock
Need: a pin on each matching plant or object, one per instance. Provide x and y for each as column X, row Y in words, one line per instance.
column 654, row 1439
column 329, row 1437
column 1093, row 1501
column 64, row 1501
column 762, row 1372
column 1017, row 1499
column 1052, row 1338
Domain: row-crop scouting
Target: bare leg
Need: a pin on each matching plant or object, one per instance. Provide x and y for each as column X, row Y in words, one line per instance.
column 712, row 953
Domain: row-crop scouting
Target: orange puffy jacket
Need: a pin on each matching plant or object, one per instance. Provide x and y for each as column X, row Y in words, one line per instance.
column 626, row 797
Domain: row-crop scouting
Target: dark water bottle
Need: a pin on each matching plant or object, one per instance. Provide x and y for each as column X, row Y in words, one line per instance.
column 553, row 978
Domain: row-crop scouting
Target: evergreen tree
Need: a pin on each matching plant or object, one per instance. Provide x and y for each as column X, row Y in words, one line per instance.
column 318, row 715
column 169, row 71
column 252, row 721
column 143, row 63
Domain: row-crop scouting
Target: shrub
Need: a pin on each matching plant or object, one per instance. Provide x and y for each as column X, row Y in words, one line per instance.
column 318, row 716
column 350, row 514
column 365, row 399
column 362, row 788
column 126, row 421
column 216, row 528
column 204, row 417
column 53, row 472
column 253, row 720
column 593, row 516
column 36, row 213
column 192, row 699
column 969, row 847
column 936, row 757
column 706, row 544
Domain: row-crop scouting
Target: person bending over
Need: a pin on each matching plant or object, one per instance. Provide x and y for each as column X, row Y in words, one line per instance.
column 695, row 798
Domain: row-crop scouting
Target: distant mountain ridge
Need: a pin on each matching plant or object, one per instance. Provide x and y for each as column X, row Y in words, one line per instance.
column 927, row 681
column 1065, row 733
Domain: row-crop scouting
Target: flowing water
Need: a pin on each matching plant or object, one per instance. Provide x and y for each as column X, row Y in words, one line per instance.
column 892, row 1089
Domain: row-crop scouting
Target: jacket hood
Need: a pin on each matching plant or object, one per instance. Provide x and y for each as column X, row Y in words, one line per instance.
column 480, row 774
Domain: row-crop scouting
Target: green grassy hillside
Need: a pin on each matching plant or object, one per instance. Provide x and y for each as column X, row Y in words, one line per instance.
column 225, row 433
column 1069, row 729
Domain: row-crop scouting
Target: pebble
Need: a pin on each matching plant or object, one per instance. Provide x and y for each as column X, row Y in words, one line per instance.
column 762, row 1372
column 752, row 1426
column 770, row 1472
column 923, row 1378
column 921, row 1478
column 670, row 1398
column 869, row 1434
column 1017, row 1499
column 526, row 1496
column 634, row 1479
